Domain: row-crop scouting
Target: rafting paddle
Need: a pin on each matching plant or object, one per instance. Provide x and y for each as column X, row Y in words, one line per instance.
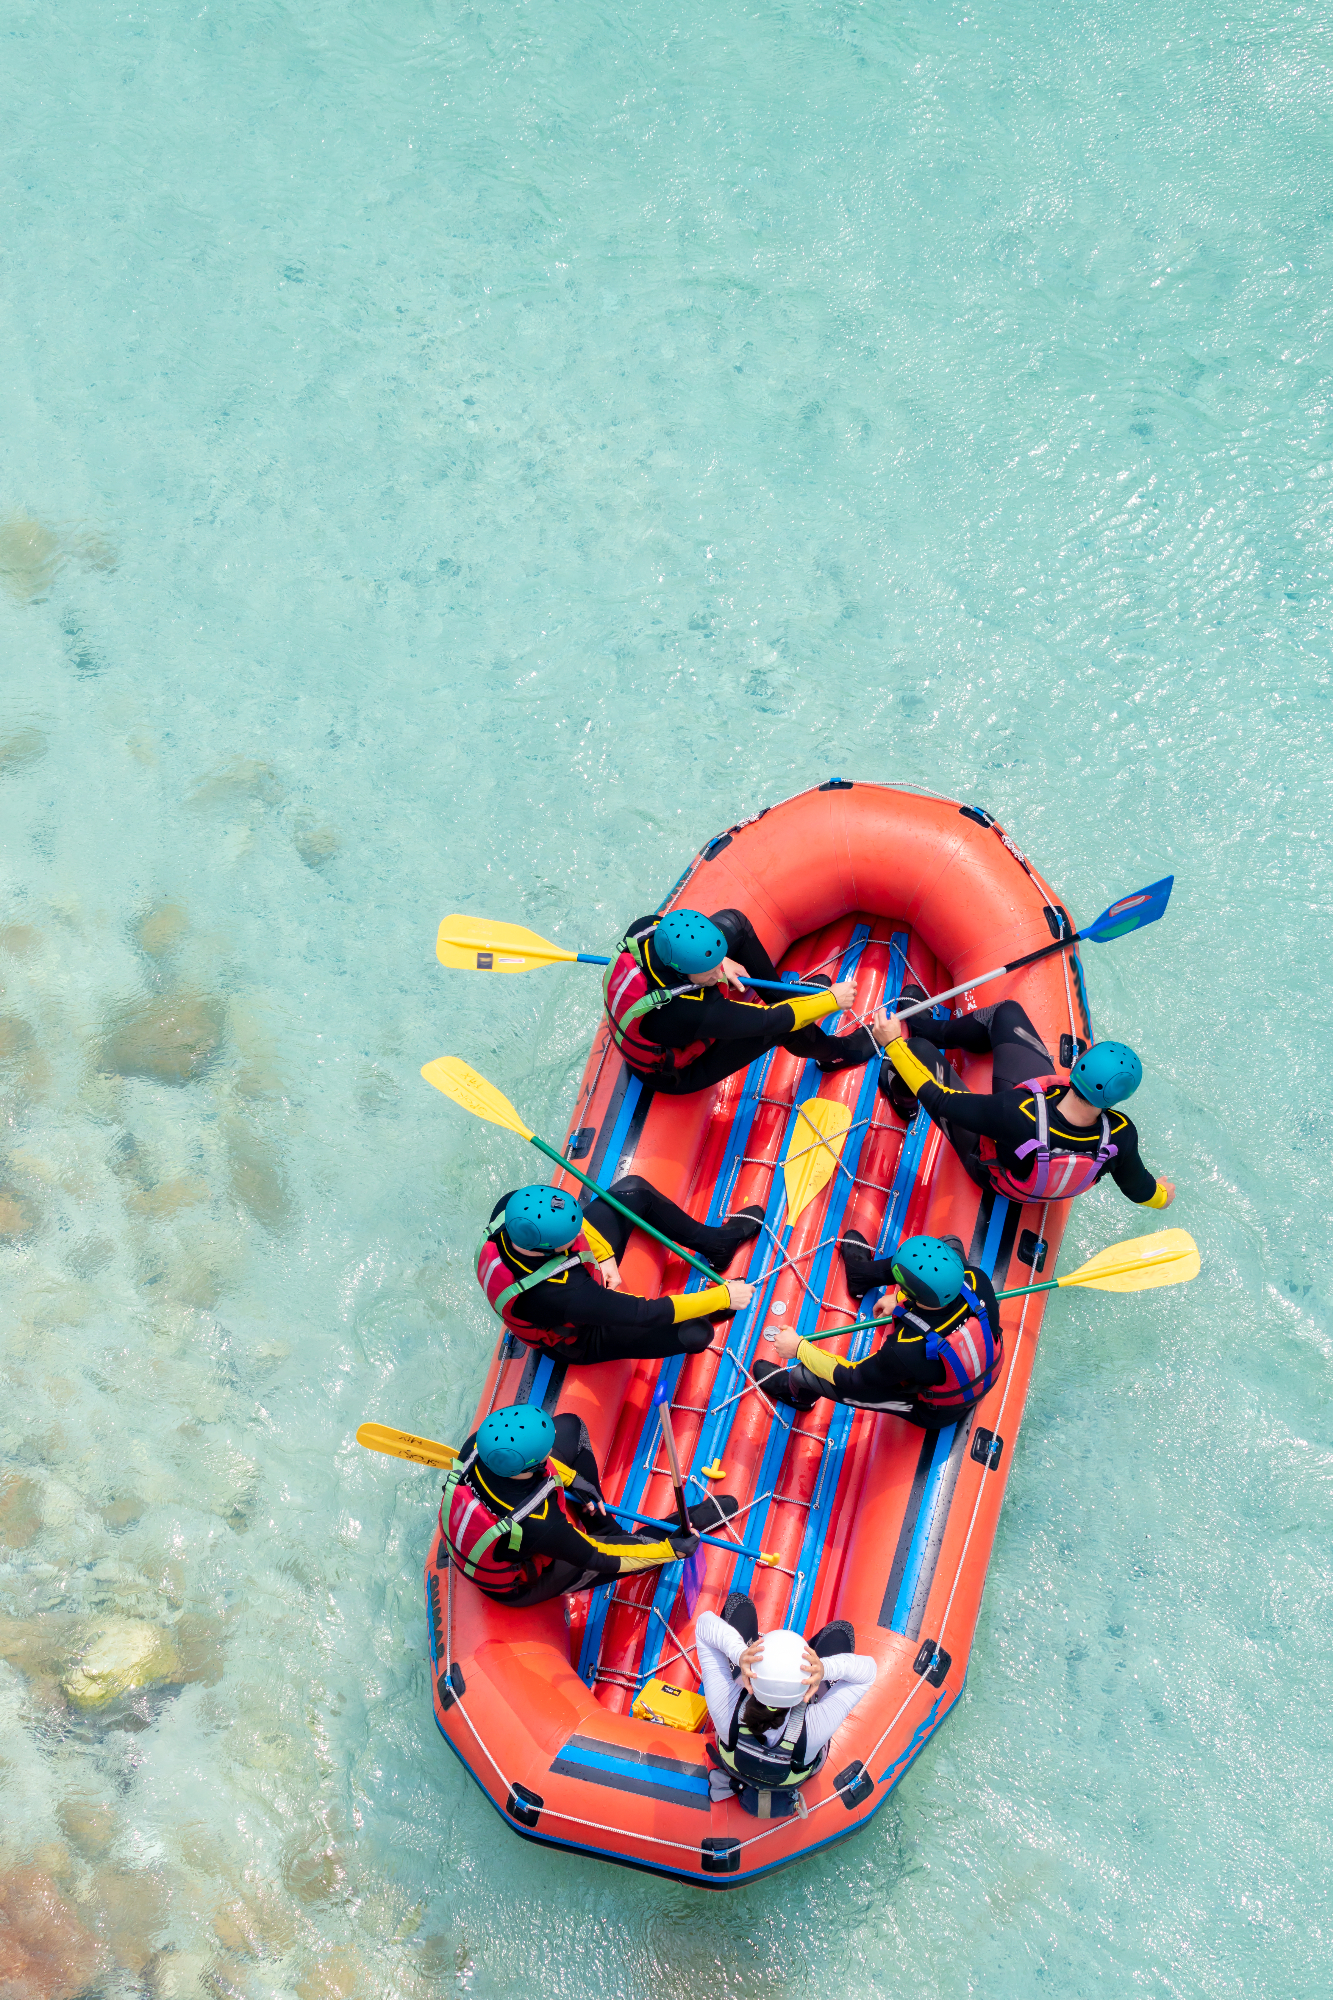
column 425, row 1451
column 1140, row 1264
column 474, row 944
column 694, row 1567
column 1130, row 913
column 452, row 1076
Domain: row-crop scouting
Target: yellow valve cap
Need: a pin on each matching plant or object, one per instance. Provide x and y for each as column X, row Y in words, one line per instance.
column 658, row 1701
column 717, row 1470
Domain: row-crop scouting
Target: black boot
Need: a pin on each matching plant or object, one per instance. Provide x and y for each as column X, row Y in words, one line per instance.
column 776, row 1382
column 737, row 1231
column 739, row 1612
column 862, row 1270
column 901, row 1099
column 712, row 1511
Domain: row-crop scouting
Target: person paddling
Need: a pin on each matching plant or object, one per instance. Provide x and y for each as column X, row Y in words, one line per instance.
column 552, row 1274
column 943, row 1350
column 1036, row 1135
column 774, row 1702
column 524, row 1518
column 672, row 996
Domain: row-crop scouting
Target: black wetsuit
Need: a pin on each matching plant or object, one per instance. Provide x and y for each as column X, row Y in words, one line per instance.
column 740, row 1030
column 1005, row 1114
column 556, row 1554
column 892, row 1377
column 596, row 1324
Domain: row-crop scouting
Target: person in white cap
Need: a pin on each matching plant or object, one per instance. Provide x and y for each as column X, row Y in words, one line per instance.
column 775, row 1702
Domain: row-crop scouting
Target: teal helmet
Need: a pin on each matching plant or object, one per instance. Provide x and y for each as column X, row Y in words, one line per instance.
column 930, row 1270
column 514, row 1440
column 688, row 942
column 1107, row 1073
column 542, row 1218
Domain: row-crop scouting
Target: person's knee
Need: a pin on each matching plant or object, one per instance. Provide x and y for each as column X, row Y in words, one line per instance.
column 839, row 1636
column 734, row 925
column 571, row 1436
column 695, row 1335
column 1009, row 1023
column 631, row 1187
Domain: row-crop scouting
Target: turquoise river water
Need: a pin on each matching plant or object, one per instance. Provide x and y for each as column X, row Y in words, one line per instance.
column 465, row 457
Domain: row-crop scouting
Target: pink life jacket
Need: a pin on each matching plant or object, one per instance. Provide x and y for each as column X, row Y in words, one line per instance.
column 1056, row 1175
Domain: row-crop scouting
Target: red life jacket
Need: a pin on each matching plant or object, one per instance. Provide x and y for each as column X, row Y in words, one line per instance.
column 1056, row 1175
column 485, row 1543
column 502, row 1285
column 972, row 1353
column 630, row 992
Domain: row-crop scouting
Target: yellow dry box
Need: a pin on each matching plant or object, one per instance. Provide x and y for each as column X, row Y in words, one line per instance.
column 658, row 1701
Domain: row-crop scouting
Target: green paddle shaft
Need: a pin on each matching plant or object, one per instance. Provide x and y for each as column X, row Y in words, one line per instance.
column 859, row 1326
column 621, row 1209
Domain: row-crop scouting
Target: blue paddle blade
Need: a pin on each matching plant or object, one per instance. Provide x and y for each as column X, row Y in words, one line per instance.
column 1131, row 913
column 693, row 1581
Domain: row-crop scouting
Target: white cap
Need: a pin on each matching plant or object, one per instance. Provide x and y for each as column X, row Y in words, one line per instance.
column 778, row 1675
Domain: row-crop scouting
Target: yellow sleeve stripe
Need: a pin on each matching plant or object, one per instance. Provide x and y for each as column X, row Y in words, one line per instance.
column 697, row 1305
column 597, row 1243
column 1157, row 1199
column 808, row 1007
column 909, row 1067
column 564, row 1473
column 817, row 1360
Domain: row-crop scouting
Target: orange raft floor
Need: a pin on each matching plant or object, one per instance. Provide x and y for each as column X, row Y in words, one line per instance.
column 869, row 1519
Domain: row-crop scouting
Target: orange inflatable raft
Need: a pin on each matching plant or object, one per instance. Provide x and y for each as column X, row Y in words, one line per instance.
column 858, row 1516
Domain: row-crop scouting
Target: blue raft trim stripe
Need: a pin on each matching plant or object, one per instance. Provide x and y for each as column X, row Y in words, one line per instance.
column 937, row 1463
column 637, row 1481
column 842, row 1415
column 623, row 1753
column 647, row 1777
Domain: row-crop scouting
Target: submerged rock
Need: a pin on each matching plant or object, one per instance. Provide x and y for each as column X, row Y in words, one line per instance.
column 24, row 748
column 46, row 1953
column 125, row 1653
column 89, row 1825
column 181, row 1975
column 17, row 1216
column 256, row 1176
column 243, row 778
column 161, row 929
column 20, row 940
column 336, row 1975
column 255, row 1925
column 170, row 1039
column 316, row 845
column 30, row 555
column 20, row 1511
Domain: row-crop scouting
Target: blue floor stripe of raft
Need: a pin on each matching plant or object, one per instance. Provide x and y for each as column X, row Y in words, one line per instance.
column 637, row 1481
column 717, row 1426
column 842, row 1417
column 943, row 1445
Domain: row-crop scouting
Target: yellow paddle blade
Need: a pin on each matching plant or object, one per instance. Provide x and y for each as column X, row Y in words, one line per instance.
column 402, row 1444
column 812, row 1155
column 1171, row 1257
column 474, row 944
column 453, row 1076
